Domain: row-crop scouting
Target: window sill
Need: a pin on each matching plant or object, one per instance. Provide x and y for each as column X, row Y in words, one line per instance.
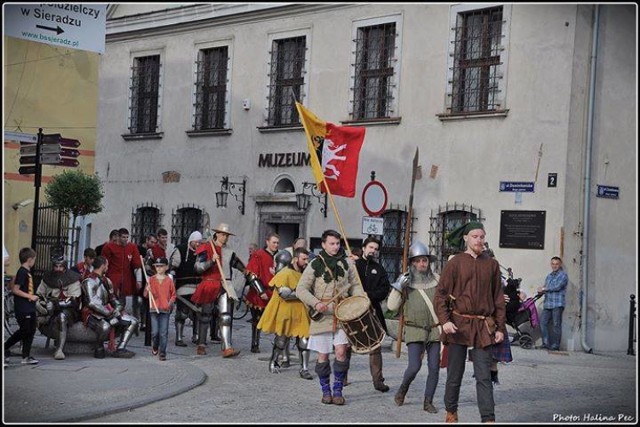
column 209, row 132
column 463, row 116
column 284, row 128
column 373, row 122
column 142, row 136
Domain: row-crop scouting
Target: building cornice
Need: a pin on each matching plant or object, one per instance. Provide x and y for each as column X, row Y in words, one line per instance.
column 196, row 17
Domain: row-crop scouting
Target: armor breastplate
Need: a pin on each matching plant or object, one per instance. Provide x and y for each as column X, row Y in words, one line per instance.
column 95, row 295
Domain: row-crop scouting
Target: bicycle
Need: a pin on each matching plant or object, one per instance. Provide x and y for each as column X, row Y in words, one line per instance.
column 10, row 322
column 241, row 308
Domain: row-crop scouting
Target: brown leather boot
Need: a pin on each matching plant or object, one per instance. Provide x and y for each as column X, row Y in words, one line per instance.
column 201, row 350
column 400, row 394
column 452, row 417
column 375, row 366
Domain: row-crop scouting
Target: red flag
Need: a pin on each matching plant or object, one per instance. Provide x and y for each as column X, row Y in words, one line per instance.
column 337, row 149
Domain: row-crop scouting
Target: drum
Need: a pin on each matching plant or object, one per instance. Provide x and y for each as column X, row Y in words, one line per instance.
column 360, row 323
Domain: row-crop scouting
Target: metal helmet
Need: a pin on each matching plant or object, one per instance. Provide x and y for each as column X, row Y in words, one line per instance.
column 283, row 258
column 419, row 249
column 58, row 260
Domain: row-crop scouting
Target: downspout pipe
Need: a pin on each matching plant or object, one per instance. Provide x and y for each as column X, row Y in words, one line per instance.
column 587, row 184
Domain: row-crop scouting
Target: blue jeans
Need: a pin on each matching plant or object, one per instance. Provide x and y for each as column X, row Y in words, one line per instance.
column 551, row 338
column 160, row 331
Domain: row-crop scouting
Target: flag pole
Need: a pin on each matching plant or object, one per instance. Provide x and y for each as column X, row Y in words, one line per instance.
column 326, row 188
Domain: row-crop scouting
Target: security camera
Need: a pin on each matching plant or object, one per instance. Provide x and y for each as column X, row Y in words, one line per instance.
column 21, row 204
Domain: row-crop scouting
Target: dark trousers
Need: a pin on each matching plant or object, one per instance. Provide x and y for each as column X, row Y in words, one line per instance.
column 482, row 360
column 28, row 325
column 416, row 353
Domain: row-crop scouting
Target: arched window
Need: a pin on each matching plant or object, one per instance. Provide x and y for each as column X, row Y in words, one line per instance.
column 185, row 221
column 392, row 248
column 145, row 220
column 284, row 185
column 445, row 220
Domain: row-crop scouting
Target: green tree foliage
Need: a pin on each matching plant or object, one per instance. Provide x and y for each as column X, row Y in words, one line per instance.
column 74, row 191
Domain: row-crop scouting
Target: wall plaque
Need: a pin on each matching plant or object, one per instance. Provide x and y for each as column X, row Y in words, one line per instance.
column 522, row 229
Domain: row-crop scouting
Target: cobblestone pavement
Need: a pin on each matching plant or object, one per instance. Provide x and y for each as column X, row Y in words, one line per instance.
column 537, row 387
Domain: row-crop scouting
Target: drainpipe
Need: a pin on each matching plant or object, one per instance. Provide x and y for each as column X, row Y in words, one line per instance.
column 587, row 184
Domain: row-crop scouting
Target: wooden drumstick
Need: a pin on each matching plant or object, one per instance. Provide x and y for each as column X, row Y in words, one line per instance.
column 316, row 312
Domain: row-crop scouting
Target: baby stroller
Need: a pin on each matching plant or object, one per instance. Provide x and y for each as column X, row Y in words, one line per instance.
column 520, row 313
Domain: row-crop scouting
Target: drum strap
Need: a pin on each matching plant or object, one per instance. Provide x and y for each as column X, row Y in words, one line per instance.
column 424, row 296
column 335, row 320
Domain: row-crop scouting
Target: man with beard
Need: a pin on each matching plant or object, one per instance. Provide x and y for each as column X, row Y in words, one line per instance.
column 60, row 296
column 469, row 303
column 330, row 275
column 413, row 292
column 376, row 284
column 286, row 316
column 102, row 311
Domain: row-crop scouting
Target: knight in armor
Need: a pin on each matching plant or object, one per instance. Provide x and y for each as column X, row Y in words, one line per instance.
column 103, row 312
column 262, row 264
column 414, row 292
column 59, row 305
column 182, row 264
column 285, row 315
column 213, row 288
column 376, row 284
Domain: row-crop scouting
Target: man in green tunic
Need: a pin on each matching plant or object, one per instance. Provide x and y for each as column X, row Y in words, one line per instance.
column 470, row 306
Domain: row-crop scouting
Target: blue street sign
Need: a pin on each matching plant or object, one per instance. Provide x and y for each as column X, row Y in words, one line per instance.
column 524, row 187
column 608, row 192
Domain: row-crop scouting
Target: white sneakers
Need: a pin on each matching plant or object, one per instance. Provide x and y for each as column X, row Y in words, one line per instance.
column 29, row 361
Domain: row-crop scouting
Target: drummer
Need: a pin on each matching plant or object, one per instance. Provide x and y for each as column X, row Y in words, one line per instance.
column 327, row 280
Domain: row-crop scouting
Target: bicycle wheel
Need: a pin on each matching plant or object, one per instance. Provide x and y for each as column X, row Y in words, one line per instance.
column 10, row 322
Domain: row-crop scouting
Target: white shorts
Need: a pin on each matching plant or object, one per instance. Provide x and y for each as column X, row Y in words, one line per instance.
column 323, row 343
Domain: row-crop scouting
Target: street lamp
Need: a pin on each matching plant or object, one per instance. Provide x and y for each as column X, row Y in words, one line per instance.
column 229, row 187
column 303, row 200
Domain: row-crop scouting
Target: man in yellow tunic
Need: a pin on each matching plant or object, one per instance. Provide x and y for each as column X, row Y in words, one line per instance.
column 285, row 315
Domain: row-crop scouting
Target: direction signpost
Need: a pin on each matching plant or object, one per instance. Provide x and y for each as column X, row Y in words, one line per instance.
column 44, row 150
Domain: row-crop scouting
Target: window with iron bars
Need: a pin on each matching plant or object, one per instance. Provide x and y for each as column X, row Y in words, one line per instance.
column 286, row 79
column 184, row 221
column 211, row 88
column 445, row 220
column 392, row 245
column 374, row 71
column 145, row 220
column 477, row 47
column 145, row 87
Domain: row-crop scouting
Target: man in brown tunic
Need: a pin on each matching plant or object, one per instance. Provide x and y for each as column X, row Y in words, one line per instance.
column 470, row 306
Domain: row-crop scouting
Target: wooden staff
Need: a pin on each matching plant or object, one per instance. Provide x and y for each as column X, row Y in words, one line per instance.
column 225, row 285
column 405, row 253
column 146, row 278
